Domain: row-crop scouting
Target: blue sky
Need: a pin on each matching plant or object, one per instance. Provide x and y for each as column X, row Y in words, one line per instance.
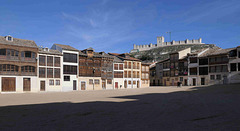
column 115, row 25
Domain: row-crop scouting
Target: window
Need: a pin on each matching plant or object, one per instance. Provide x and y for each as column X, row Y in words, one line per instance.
column 147, row 76
column 8, row 52
column 129, row 82
column 42, row 72
column 218, row 68
column 238, row 66
column 9, row 38
column 125, row 74
column 66, row 78
column 147, row 68
column 212, row 77
column 233, row 66
column 49, row 61
column 12, row 68
column 57, row 73
column 134, row 82
column 143, row 76
column 28, row 69
column 109, row 81
column 120, row 66
column 42, row 60
column 51, row 82
column 129, row 65
column 181, row 78
column 57, row 61
column 129, row 74
column 67, row 69
column 49, row 73
column 193, row 71
column 143, row 82
column 143, row 68
column 233, row 53
column 28, row 54
column 12, row 52
column 57, row 82
column 118, row 74
column 212, row 69
column 115, row 66
column 193, row 60
column 3, row 52
column 203, row 61
column 203, row 70
column 125, row 65
column 224, row 68
column 67, row 57
column 212, row 60
column 218, row 77
column 90, row 81
column 96, row 81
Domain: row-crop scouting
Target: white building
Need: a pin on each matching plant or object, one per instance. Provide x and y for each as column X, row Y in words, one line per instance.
column 50, row 69
column 70, row 66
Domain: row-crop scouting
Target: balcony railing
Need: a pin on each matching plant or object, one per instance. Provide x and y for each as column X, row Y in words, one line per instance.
column 28, row 59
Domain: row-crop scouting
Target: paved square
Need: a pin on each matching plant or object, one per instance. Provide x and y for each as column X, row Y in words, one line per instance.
column 156, row 108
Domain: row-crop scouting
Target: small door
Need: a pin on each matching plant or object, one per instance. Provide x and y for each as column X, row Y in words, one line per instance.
column 153, row 82
column 42, row 85
column 104, row 84
column 194, row 82
column 74, row 85
column 165, row 82
column 125, row 84
column 202, row 81
column 116, row 85
column 172, row 82
column 225, row 81
column 8, row 84
column 138, row 84
column 26, row 84
column 83, row 85
column 185, row 82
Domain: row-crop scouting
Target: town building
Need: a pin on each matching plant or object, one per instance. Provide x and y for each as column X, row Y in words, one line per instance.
column 18, row 65
column 50, row 69
column 70, row 66
column 166, row 72
column 174, row 65
column 132, row 70
column 118, row 71
column 145, row 79
column 234, row 64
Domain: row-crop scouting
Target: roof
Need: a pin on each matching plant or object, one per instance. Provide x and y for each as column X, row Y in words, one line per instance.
column 66, row 47
column 18, row 42
column 164, row 60
column 221, row 51
column 124, row 56
column 209, row 52
column 197, row 52
column 117, row 60
column 50, row 51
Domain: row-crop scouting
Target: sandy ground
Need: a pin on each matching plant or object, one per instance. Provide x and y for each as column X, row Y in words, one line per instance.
column 155, row 108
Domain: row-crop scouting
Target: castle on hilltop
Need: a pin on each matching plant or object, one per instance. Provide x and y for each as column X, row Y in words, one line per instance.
column 161, row 43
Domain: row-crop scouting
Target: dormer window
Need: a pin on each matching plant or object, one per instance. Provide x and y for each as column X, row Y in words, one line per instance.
column 9, row 38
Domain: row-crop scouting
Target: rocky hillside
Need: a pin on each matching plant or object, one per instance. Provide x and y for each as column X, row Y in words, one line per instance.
column 161, row 53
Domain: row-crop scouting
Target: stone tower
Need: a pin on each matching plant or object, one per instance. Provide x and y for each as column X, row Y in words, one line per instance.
column 160, row 41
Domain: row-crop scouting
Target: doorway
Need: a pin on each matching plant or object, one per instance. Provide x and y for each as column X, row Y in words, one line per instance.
column 138, row 84
column 26, row 84
column 116, row 85
column 74, row 85
column 225, row 81
column 194, row 81
column 8, row 84
column 104, row 84
column 172, row 82
column 83, row 85
column 125, row 84
column 185, row 82
column 42, row 85
column 202, row 81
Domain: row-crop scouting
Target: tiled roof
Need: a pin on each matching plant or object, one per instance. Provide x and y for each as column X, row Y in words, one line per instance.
column 124, row 56
column 66, row 47
column 50, row 51
column 164, row 60
column 116, row 59
column 18, row 42
column 221, row 51
column 209, row 51
column 197, row 52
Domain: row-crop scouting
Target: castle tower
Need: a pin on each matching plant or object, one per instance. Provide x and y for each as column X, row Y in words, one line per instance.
column 160, row 41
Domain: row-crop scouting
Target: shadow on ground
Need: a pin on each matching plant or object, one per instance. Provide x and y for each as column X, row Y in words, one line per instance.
column 200, row 108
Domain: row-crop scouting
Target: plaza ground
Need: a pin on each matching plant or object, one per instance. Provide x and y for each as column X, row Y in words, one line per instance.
column 155, row 108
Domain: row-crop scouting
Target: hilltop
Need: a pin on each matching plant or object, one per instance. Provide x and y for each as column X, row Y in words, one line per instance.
column 161, row 53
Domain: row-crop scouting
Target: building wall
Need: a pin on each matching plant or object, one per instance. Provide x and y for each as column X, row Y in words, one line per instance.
column 88, row 85
column 19, row 83
column 68, row 85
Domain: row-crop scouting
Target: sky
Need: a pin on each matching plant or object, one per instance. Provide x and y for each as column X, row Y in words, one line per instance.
column 115, row 25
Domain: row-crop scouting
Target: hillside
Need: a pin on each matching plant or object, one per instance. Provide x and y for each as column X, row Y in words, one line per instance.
column 161, row 53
